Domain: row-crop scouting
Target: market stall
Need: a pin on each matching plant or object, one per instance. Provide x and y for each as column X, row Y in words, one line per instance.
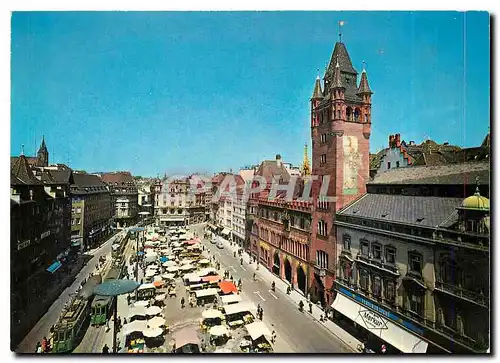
column 187, row 341
column 152, row 311
column 206, row 295
column 239, row 314
column 210, row 318
column 230, row 299
column 219, row 334
column 227, row 287
column 260, row 336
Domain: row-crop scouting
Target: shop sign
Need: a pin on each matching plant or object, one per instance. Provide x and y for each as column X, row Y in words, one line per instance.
column 373, row 320
column 381, row 311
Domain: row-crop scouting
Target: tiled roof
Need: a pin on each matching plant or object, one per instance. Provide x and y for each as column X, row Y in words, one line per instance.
column 451, row 174
column 83, row 180
column 32, row 160
column 317, row 92
column 56, row 176
column 247, row 174
column 364, row 87
column 121, row 177
column 15, row 181
column 404, row 209
column 340, row 53
column 22, row 170
column 375, row 159
column 270, row 169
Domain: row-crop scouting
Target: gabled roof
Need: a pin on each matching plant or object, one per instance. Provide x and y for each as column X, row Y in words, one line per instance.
column 32, row 160
column 15, row 181
column 83, row 180
column 270, row 169
column 22, row 170
column 57, row 177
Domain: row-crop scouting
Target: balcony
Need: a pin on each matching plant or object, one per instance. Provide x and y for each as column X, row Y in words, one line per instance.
column 462, row 293
column 380, row 264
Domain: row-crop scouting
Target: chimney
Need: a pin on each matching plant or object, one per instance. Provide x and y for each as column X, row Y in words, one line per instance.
column 398, row 140
column 391, row 139
column 412, row 143
column 278, row 159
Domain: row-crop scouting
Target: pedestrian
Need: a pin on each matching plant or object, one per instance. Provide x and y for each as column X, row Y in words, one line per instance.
column 273, row 337
column 383, row 349
column 105, row 349
column 261, row 314
column 38, row 348
column 310, row 307
column 44, row 345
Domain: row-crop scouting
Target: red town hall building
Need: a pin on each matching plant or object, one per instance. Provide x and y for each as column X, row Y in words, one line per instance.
column 340, row 132
column 296, row 239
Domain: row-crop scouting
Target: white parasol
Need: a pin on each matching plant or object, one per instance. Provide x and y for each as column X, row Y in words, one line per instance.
column 153, row 310
column 156, row 322
column 135, row 326
column 172, row 269
column 153, row 333
column 160, row 297
column 150, row 273
column 212, row 314
column 203, row 262
column 168, row 276
column 141, row 303
column 218, row 331
column 169, row 263
column 187, row 267
column 222, row 350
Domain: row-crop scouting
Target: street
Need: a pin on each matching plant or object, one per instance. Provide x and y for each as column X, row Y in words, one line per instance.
column 42, row 327
column 297, row 329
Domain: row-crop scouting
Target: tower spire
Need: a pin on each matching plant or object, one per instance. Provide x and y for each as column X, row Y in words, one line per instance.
column 317, row 93
column 306, row 168
column 22, row 149
column 341, row 24
column 364, row 87
column 337, row 79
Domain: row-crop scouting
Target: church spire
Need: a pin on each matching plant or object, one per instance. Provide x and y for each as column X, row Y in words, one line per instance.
column 317, row 93
column 306, row 168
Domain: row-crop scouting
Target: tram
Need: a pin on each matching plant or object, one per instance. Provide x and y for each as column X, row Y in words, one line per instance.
column 102, row 306
column 68, row 330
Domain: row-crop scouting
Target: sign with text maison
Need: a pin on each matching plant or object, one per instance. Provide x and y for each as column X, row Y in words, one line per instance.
column 372, row 320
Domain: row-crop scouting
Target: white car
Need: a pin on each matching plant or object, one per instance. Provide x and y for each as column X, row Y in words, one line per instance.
column 219, row 245
column 214, row 241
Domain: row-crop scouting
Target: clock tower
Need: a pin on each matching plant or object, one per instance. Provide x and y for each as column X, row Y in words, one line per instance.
column 340, row 132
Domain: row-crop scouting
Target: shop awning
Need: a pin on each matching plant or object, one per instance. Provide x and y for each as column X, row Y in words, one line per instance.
column 54, row 267
column 227, row 287
column 379, row 326
column 226, row 231
column 211, row 226
column 75, row 243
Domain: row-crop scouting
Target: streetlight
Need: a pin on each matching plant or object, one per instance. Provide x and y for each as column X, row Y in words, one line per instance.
column 135, row 230
column 115, row 288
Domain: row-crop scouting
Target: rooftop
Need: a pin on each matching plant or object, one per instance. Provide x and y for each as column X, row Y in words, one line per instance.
column 451, row 174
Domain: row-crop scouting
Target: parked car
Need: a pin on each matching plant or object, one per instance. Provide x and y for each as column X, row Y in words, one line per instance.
column 219, row 245
column 214, row 241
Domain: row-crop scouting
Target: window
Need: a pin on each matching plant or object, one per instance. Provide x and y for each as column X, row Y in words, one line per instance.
column 322, row 259
column 78, row 221
column 450, row 272
column 347, row 271
column 377, row 286
column 415, row 302
column 347, row 242
column 376, row 251
column 322, row 228
column 397, row 164
column 302, row 223
column 365, row 247
column 338, row 114
column 415, row 263
column 323, row 138
column 364, row 279
column 388, row 165
column 323, row 159
column 390, row 255
column 390, row 291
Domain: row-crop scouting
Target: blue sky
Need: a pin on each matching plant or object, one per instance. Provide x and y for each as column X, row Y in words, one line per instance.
column 182, row 92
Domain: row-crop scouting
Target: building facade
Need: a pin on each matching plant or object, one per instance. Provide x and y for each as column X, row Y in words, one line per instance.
column 340, row 132
column 124, row 197
column 92, row 210
column 171, row 202
column 413, row 260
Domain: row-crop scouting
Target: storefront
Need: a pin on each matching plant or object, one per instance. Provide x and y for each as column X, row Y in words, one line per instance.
column 376, row 325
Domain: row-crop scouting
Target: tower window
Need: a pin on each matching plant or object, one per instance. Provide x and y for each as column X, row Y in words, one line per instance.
column 397, row 164
column 356, row 114
column 338, row 114
column 323, row 138
column 388, row 165
column 323, row 159
column 348, row 113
